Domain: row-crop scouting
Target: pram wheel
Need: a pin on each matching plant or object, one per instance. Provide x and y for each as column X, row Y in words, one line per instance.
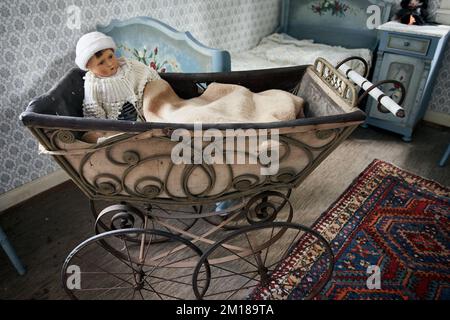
column 263, row 207
column 126, row 215
column 254, row 257
column 128, row 270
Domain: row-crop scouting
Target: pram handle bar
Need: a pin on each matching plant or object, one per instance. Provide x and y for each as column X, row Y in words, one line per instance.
column 364, row 62
column 373, row 90
column 401, row 112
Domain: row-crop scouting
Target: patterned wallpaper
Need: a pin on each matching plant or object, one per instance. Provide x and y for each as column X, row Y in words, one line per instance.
column 37, row 48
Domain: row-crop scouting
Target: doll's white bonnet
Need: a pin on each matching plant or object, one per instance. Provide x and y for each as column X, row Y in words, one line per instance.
column 91, row 43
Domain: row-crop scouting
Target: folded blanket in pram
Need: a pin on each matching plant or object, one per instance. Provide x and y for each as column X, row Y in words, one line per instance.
column 219, row 103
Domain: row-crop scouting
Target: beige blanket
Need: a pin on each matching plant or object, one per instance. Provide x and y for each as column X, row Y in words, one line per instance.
column 220, row 103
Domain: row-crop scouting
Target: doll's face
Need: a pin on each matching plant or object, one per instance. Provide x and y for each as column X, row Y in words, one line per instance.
column 103, row 65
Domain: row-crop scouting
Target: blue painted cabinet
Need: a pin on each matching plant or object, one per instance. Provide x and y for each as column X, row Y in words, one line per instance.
column 411, row 55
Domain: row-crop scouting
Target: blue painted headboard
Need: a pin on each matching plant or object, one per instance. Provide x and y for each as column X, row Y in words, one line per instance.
column 162, row 47
column 335, row 22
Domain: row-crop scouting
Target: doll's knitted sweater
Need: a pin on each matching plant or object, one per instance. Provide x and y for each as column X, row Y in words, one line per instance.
column 104, row 97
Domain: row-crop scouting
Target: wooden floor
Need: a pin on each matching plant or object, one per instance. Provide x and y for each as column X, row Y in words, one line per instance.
column 46, row 228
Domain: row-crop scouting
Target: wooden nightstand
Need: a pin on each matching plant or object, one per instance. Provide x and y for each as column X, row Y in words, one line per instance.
column 411, row 55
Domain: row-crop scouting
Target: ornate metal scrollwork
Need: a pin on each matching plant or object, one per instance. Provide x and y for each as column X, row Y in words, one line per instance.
column 117, row 217
column 130, row 174
column 131, row 157
column 325, row 134
column 65, row 136
column 265, row 207
column 147, row 190
column 61, row 136
column 245, row 182
column 106, row 188
column 187, row 173
column 110, row 187
column 284, row 175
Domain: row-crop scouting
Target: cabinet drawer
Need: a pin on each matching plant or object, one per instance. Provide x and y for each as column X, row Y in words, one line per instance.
column 408, row 44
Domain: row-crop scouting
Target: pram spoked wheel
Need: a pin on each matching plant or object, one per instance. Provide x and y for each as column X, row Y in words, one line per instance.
column 137, row 269
column 253, row 257
column 263, row 207
column 126, row 215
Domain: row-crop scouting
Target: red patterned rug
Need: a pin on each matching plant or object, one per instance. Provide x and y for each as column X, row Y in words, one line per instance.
column 388, row 221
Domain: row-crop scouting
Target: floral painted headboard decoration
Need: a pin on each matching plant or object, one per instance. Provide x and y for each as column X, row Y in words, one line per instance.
column 163, row 48
column 152, row 59
column 335, row 7
column 347, row 23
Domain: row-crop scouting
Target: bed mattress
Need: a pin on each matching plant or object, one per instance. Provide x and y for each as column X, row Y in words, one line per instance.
column 281, row 50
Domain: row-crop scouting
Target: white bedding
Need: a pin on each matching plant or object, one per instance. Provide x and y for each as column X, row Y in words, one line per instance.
column 281, row 50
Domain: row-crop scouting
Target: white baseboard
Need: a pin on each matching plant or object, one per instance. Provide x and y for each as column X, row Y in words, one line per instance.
column 29, row 190
column 442, row 119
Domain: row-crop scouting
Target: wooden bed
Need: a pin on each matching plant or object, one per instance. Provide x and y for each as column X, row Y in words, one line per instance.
column 308, row 30
column 331, row 29
column 163, row 48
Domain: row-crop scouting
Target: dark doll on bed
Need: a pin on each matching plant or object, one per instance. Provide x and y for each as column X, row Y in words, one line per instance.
column 413, row 12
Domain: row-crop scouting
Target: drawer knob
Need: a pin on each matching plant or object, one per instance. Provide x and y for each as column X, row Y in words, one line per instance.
column 406, row 43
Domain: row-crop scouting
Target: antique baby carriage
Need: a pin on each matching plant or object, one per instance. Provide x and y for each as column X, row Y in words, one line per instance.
column 158, row 233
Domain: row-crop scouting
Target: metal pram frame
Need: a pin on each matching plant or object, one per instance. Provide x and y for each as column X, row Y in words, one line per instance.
column 158, row 234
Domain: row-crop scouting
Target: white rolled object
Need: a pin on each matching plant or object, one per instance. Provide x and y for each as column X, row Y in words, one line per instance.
column 376, row 93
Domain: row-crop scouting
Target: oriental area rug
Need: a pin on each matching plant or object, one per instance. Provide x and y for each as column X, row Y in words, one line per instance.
column 390, row 236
